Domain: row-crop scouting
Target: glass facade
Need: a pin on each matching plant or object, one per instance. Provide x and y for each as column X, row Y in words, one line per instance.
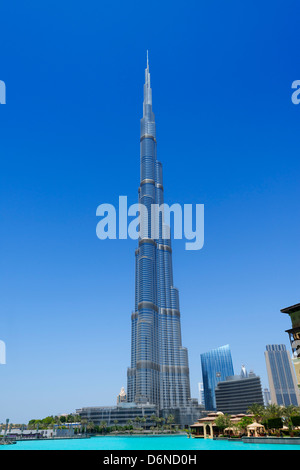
column 216, row 367
column 159, row 371
column 282, row 381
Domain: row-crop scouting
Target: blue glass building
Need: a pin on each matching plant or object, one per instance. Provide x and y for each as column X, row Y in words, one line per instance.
column 216, row 367
column 159, row 371
column 281, row 375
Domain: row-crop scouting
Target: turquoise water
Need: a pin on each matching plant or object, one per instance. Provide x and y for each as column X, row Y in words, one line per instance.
column 142, row 443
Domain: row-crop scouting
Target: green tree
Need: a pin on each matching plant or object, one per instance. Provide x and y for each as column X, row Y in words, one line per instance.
column 70, row 419
column 244, row 422
column 115, row 423
column 47, row 421
column 223, row 421
column 160, row 422
column 257, row 411
column 137, row 420
column 170, row 420
column 289, row 413
column 90, row 426
column 273, row 411
column 153, row 418
column 143, row 422
column 84, row 423
column 56, row 420
column 103, row 426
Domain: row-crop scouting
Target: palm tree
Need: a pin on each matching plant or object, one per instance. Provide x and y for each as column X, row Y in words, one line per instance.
column 153, row 418
column 103, row 425
column 288, row 412
column 143, row 422
column 70, row 419
column 257, row 411
column 160, row 421
column 56, row 420
column 115, row 423
column 273, row 411
column 90, row 426
column 83, row 426
column 129, row 423
column 137, row 419
column 170, row 420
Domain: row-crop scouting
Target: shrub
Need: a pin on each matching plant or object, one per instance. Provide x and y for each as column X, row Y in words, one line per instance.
column 274, row 423
column 295, row 420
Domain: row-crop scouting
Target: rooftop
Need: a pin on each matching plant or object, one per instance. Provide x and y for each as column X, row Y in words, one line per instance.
column 291, row 309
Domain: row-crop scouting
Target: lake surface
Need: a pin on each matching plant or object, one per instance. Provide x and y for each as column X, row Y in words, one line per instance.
column 142, row 443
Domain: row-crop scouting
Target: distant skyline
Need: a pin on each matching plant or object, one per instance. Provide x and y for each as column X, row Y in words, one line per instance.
column 228, row 136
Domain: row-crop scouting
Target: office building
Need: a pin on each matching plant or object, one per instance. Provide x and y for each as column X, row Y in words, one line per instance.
column 281, row 374
column 216, row 367
column 267, row 396
column 237, row 393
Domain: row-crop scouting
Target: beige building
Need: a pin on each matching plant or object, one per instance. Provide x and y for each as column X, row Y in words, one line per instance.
column 294, row 334
column 122, row 397
column 206, row 427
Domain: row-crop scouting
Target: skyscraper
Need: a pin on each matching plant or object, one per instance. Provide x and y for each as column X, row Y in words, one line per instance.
column 267, row 396
column 282, row 380
column 216, row 367
column 201, row 393
column 159, row 371
column 122, row 397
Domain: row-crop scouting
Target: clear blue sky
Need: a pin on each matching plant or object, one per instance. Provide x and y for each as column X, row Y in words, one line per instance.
column 228, row 137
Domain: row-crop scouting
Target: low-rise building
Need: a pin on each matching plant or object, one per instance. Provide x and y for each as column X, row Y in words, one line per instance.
column 119, row 415
column 17, row 433
column 206, row 427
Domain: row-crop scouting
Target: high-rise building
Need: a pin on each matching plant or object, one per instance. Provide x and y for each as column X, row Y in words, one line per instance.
column 216, row 367
column 281, row 375
column 244, row 373
column 267, row 396
column 159, row 370
column 237, row 393
column 201, row 393
column 294, row 335
column 122, row 397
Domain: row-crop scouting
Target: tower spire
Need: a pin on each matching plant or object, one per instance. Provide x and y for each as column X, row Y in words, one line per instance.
column 147, row 86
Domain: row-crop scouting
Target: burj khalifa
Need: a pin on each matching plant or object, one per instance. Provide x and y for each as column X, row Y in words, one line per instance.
column 159, row 370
